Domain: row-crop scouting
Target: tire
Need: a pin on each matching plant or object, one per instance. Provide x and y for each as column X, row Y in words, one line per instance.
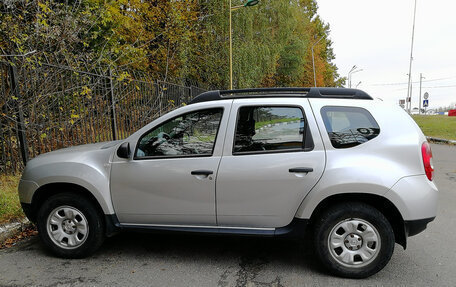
column 353, row 240
column 70, row 226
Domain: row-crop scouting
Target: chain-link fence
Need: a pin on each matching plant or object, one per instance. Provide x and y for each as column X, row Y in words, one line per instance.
column 46, row 107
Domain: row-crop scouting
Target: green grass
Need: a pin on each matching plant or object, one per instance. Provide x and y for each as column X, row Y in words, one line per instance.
column 438, row 126
column 10, row 207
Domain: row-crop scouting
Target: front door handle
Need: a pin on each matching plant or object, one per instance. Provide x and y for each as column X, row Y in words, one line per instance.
column 301, row 169
column 202, row 172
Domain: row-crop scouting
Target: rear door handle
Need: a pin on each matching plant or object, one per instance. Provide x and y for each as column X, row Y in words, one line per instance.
column 301, row 169
column 202, row 172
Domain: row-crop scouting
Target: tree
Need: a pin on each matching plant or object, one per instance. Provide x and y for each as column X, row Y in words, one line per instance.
column 184, row 41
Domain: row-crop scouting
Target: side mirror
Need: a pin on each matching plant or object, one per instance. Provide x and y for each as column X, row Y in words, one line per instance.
column 124, row 150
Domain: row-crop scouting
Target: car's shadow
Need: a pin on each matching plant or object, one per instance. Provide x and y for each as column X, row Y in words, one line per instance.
column 241, row 257
column 246, row 250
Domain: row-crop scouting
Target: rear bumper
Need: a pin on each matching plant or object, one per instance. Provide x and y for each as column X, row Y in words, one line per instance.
column 415, row 197
column 413, row 227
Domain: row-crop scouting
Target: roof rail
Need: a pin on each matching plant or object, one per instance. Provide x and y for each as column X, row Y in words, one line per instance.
column 335, row 93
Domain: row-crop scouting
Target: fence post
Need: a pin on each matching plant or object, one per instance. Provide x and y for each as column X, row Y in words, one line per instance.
column 160, row 96
column 112, row 105
column 20, row 126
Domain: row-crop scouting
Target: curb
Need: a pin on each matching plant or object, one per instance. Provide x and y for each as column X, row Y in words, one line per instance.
column 11, row 229
column 439, row 140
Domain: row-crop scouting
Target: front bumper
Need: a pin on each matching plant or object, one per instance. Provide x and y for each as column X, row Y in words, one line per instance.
column 26, row 190
column 27, row 208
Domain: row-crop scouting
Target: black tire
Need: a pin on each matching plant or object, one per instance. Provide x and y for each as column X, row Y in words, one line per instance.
column 85, row 210
column 366, row 216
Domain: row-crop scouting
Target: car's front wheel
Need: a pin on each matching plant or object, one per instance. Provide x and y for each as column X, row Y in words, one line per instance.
column 70, row 226
column 353, row 240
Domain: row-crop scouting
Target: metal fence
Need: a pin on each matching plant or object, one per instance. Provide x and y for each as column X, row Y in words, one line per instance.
column 45, row 107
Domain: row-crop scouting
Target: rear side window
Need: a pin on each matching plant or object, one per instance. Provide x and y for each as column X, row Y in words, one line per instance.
column 349, row 126
column 262, row 129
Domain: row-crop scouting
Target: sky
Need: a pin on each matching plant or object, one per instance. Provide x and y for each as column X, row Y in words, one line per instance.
column 376, row 37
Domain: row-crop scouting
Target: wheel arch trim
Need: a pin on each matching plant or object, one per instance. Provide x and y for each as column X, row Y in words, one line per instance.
column 51, row 188
column 384, row 205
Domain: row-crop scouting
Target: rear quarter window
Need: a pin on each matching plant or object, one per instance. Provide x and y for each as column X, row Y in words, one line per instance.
column 349, row 126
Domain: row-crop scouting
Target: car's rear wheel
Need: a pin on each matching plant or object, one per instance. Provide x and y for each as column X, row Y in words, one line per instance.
column 70, row 225
column 353, row 240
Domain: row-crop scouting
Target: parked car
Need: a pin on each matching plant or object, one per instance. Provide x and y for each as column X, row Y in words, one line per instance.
column 352, row 172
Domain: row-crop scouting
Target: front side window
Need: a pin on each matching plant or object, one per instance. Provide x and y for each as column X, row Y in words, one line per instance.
column 269, row 129
column 189, row 134
column 349, row 126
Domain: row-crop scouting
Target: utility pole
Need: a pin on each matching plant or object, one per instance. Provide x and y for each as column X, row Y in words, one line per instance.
column 419, row 104
column 409, row 89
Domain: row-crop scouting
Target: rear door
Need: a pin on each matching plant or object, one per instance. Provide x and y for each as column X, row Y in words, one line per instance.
column 272, row 157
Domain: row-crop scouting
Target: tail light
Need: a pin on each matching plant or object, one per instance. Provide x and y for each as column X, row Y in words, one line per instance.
column 427, row 160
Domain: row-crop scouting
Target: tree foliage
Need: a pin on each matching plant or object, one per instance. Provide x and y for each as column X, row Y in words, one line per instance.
column 183, row 40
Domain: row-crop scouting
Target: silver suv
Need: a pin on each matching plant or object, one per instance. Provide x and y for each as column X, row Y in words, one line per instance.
column 352, row 172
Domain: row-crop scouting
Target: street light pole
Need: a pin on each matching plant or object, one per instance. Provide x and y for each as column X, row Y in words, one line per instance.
column 350, row 77
column 249, row 3
column 231, row 52
column 313, row 59
column 349, row 73
column 409, row 90
column 360, row 70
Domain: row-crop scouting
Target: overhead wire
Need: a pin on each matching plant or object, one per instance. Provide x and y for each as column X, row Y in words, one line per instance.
column 416, row 82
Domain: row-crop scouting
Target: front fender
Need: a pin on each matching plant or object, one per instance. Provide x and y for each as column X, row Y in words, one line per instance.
column 92, row 178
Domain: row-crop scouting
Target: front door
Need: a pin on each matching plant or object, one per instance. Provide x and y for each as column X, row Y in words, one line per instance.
column 171, row 177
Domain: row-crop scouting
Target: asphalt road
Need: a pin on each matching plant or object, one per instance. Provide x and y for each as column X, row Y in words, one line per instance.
column 163, row 260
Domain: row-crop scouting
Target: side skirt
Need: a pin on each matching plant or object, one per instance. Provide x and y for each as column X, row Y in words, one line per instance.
column 296, row 228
